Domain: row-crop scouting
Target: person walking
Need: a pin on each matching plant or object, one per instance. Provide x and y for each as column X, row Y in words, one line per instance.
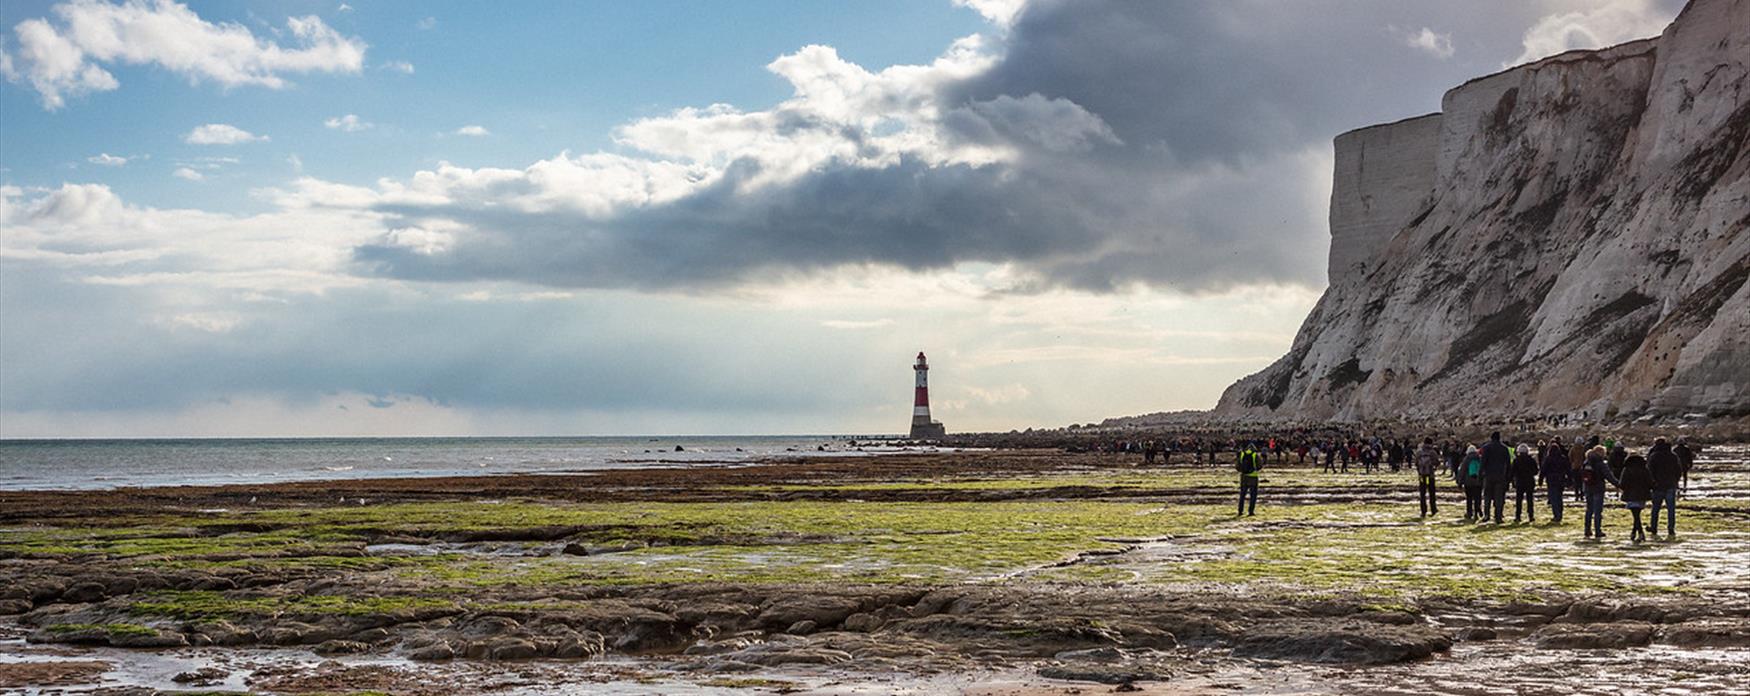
column 1470, row 475
column 1249, row 464
column 1577, row 460
column 1427, row 462
column 1686, row 455
column 1555, row 473
column 1497, row 461
column 1637, row 489
column 1666, row 470
column 1524, row 474
column 1594, row 474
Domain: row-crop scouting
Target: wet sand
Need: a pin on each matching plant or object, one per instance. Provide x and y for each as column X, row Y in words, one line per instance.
column 1007, row 572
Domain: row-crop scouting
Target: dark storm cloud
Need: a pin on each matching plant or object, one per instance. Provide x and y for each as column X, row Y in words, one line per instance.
column 1162, row 143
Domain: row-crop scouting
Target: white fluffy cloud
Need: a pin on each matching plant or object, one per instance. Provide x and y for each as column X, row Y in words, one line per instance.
column 399, row 66
column 1000, row 12
column 221, row 134
column 295, row 248
column 188, row 174
column 473, row 131
column 107, row 160
column 1595, row 25
column 66, row 58
column 1431, row 42
column 349, row 123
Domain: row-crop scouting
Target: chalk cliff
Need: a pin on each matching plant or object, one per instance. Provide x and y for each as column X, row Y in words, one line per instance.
column 1566, row 236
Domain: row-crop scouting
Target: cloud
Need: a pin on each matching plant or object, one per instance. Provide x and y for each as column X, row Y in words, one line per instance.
column 188, row 174
column 1429, row 41
column 1594, row 26
column 426, row 24
column 399, row 66
column 349, row 123
column 853, row 324
column 67, row 58
column 107, row 160
column 295, row 248
column 1068, row 167
column 343, row 8
column 999, row 12
column 221, row 134
column 473, row 131
column 295, row 162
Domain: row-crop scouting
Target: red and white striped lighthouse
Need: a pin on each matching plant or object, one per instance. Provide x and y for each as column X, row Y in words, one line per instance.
column 922, row 428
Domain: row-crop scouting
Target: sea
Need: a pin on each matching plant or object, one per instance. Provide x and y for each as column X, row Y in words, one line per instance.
column 102, row 464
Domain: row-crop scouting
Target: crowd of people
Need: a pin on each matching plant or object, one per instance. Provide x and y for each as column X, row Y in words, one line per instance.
column 1647, row 482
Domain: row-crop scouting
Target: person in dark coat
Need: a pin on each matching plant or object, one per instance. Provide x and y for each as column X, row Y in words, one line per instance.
column 1577, row 460
column 1618, row 455
column 1524, row 475
column 1497, row 461
column 1685, row 454
column 1427, row 462
column 1555, row 473
column 1594, row 474
column 1637, row 489
column 1666, row 470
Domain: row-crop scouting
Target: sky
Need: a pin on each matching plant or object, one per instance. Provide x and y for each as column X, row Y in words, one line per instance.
column 300, row 218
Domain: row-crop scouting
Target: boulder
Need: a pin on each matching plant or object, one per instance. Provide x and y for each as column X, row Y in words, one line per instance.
column 1718, row 633
column 340, row 647
column 1614, row 635
column 1342, row 642
column 823, row 610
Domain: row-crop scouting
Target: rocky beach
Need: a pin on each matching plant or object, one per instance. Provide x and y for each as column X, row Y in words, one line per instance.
column 1007, row 571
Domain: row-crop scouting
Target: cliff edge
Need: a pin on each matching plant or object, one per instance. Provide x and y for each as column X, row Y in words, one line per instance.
column 1566, row 236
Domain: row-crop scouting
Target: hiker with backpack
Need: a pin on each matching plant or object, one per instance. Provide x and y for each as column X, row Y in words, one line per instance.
column 1249, row 464
column 1470, row 475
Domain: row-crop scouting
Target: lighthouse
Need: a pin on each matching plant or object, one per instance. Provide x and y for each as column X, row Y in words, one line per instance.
column 922, row 428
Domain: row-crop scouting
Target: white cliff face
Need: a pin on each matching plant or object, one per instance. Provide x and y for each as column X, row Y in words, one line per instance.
column 1581, row 243
column 1384, row 175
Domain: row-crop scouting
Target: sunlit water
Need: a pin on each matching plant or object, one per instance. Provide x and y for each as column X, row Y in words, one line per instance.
column 98, row 464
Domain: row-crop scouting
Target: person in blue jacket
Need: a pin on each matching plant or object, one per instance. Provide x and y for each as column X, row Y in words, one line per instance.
column 1593, row 475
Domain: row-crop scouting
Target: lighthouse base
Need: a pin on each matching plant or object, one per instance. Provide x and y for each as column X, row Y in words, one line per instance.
column 927, row 431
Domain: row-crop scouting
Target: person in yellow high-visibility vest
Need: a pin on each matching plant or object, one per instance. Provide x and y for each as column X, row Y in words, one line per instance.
column 1249, row 464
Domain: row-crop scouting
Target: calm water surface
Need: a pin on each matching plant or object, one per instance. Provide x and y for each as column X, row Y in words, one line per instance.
column 85, row 464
